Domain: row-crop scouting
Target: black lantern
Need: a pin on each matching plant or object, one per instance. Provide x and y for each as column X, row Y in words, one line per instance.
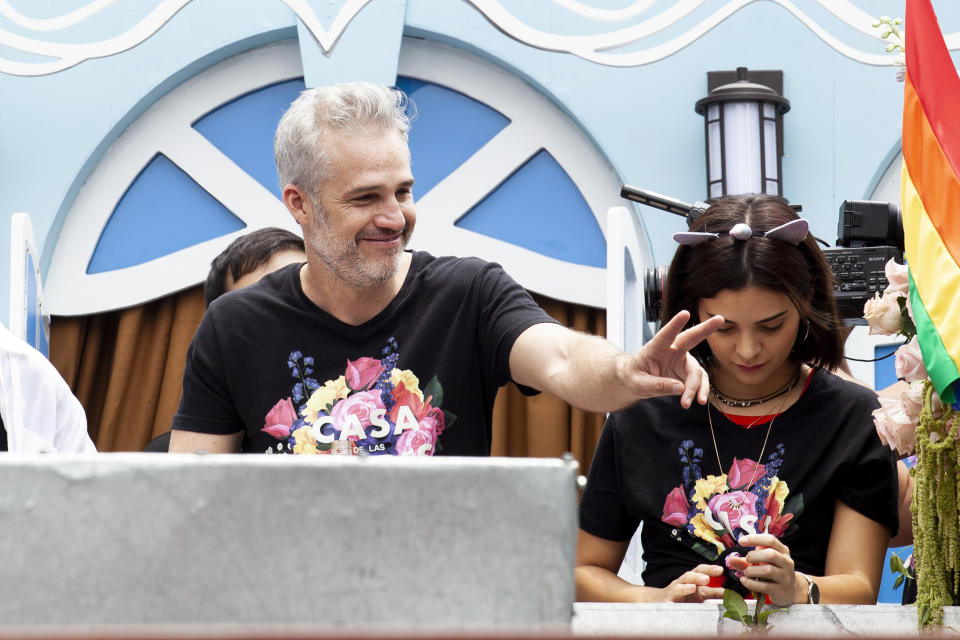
column 744, row 137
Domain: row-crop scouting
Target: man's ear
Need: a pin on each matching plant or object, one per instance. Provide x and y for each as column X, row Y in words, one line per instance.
column 297, row 202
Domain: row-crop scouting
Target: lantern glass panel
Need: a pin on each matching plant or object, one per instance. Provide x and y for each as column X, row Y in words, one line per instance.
column 741, row 123
column 770, row 148
column 715, row 165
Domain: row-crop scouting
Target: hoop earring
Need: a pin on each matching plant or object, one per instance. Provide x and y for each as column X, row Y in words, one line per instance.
column 800, row 341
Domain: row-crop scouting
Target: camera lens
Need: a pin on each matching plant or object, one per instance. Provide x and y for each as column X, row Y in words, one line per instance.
column 653, row 279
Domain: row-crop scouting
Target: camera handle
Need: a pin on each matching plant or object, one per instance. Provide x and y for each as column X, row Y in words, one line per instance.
column 665, row 203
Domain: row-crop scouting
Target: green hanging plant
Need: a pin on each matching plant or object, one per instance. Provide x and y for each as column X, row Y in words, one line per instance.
column 936, row 520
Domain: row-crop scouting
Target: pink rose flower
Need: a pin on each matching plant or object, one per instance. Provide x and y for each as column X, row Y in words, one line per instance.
column 362, row 372
column 894, row 426
column 908, row 362
column 912, row 400
column 743, row 472
column 936, row 405
column 882, row 314
column 735, row 504
column 280, row 419
column 433, row 421
column 361, row 405
column 898, row 278
column 676, row 507
column 429, row 429
column 411, row 443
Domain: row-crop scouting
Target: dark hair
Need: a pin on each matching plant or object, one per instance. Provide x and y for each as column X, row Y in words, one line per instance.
column 799, row 271
column 245, row 254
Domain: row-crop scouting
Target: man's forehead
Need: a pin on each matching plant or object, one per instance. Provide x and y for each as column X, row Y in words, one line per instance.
column 349, row 138
column 366, row 161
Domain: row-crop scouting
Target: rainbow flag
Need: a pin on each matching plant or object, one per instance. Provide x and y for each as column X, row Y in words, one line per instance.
column 930, row 194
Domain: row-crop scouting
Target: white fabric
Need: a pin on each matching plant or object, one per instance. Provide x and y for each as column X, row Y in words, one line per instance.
column 39, row 412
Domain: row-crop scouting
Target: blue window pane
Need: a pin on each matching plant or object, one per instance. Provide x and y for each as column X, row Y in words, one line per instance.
column 449, row 128
column 888, row 593
column 243, row 129
column 884, row 372
column 34, row 319
column 540, row 208
column 163, row 211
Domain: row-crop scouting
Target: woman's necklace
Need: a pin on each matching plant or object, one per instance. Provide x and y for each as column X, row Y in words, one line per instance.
column 742, row 404
column 763, row 449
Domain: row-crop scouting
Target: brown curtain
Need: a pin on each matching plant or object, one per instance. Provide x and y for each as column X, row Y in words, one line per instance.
column 126, row 368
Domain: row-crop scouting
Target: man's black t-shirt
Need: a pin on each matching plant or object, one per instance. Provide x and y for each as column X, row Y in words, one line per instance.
column 418, row 378
column 655, row 463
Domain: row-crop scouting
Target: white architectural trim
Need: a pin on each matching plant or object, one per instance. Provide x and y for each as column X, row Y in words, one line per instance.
column 591, row 47
column 535, row 123
column 627, row 324
column 71, row 54
column 588, row 47
column 166, row 128
column 605, row 15
column 55, row 23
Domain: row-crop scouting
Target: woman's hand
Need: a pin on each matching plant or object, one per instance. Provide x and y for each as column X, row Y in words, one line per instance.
column 767, row 569
column 693, row 586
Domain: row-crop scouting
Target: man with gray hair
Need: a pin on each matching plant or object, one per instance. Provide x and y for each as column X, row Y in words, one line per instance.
column 370, row 348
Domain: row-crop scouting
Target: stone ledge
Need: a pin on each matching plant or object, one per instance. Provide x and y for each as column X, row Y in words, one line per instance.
column 691, row 619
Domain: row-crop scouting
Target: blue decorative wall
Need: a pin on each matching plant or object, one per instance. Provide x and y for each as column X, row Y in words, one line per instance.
column 81, row 88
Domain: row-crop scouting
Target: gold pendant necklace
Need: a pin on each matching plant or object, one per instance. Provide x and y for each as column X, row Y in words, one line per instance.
column 763, row 449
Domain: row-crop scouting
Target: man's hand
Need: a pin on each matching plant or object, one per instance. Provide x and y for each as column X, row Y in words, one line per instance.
column 664, row 365
column 592, row 374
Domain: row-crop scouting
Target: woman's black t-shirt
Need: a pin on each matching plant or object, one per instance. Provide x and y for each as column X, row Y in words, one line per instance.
column 655, row 463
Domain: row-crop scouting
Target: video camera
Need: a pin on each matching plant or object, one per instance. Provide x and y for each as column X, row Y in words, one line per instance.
column 868, row 235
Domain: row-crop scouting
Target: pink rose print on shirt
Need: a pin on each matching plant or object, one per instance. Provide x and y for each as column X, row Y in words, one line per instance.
column 676, row 507
column 742, row 472
column 363, row 372
column 374, row 407
column 709, row 512
column 412, row 443
column 415, row 443
column 280, row 419
column 732, row 507
column 361, row 406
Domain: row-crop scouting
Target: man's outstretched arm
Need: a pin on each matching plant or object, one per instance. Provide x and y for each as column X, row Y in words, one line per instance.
column 592, row 374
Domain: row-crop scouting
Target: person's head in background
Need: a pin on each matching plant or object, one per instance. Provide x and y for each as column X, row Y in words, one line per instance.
column 243, row 262
column 750, row 280
column 250, row 257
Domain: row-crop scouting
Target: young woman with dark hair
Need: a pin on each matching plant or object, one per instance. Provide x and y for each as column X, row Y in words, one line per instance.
column 780, row 485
